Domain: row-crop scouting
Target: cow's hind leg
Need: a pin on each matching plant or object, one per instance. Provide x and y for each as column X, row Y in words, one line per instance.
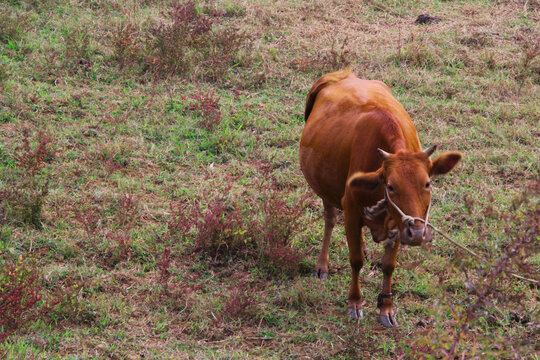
column 330, row 213
column 384, row 301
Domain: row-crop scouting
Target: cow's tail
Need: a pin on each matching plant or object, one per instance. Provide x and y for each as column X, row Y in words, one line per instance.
column 323, row 82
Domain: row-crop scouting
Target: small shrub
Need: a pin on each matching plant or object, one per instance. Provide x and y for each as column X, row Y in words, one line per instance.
column 32, row 160
column 219, row 227
column 175, row 43
column 221, row 54
column 490, row 285
column 127, row 45
column 128, row 210
column 179, row 292
column 19, row 293
column 183, row 214
column 121, row 247
column 109, row 159
column 88, row 217
column 23, row 195
column 78, row 53
column 239, row 306
column 262, row 229
column 185, row 40
column 176, row 291
column 274, row 232
column 206, row 106
column 23, row 297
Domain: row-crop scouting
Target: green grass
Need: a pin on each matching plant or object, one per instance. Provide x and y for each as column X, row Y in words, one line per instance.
column 118, row 131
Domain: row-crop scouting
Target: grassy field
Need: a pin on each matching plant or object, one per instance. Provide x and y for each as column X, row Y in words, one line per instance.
column 152, row 205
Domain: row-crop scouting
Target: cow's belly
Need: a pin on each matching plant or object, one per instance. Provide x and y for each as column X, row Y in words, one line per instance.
column 325, row 173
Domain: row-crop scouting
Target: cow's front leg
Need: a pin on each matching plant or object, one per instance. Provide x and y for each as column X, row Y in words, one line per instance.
column 355, row 241
column 384, row 300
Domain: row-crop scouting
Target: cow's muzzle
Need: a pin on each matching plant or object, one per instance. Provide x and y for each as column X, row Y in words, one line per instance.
column 416, row 235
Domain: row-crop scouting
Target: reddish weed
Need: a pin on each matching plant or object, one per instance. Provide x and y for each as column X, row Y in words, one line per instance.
column 172, row 42
column 206, row 106
column 240, row 305
column 88, row 217
column 109, row 161
column 274, row 233
column 219, row 226
column 121, row 245
column 183, row 214
column 264, row 230
column 33, row 159
column 164, row 273
column 186, row 38
column 19, row 293
column 128, row 210
column 24, row 196
column 22, row 298
column 127, row 45
column 488, row 284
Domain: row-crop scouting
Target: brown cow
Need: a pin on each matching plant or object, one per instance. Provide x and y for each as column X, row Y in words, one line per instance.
column 360, row 150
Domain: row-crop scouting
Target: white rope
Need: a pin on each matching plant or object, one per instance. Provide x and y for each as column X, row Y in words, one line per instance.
column 371, row 212
column 406, row 219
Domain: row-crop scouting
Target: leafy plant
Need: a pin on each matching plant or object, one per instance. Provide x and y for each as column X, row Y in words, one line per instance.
column 261, row 229
column 490, row 286
column 206, row 106
column 23, row 194
column 23, row 298
column 219, row 226
column 127, row 45
column 187, row 38
column 20, row 291
column 240, row 305
column 78, row 53
column 274, row 233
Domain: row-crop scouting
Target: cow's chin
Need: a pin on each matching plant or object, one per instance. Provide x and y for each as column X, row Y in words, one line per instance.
column 405, row 240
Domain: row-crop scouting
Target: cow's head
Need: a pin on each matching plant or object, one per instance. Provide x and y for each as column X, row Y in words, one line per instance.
column 407, row 179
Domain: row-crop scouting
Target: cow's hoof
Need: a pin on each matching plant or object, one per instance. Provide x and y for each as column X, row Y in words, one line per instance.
column 354, row 310
column 355, row 314
column 388, row 321
column 320, row 272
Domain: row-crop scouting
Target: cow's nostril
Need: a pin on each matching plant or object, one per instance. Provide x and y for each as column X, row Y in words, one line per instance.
column 409, row 233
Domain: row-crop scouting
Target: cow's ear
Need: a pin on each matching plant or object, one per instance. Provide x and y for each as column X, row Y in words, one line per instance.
column 365, row 181
column 445, row 163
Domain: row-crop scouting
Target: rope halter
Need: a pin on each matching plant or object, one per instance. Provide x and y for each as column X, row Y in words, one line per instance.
column 406, row 219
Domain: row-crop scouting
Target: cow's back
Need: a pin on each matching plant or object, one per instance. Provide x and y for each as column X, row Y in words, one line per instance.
column 345, row 123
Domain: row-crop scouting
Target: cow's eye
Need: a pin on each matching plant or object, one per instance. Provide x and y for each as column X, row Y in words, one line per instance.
column 390, row 188
column 428, row 185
